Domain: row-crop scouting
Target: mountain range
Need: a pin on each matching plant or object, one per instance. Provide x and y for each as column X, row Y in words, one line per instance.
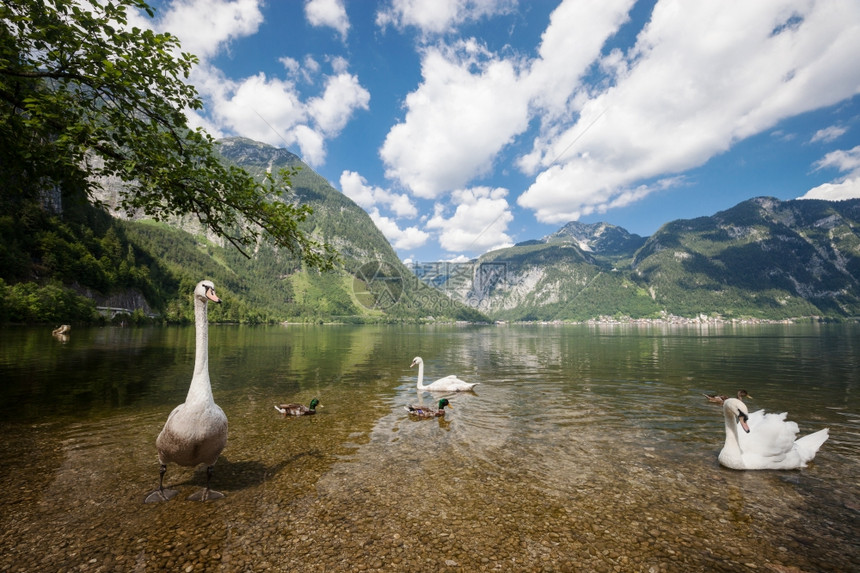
column 370, row 283
column 761, row 259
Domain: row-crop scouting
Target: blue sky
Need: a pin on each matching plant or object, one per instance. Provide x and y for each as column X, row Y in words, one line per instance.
column 465, row 125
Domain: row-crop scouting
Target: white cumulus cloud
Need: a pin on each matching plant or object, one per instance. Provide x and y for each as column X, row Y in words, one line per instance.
column 368, row 197
column 828, row 134
column 472, row 103
column 438, row 16
column 845, row 187
column 262, row 107
column 468, row 107
column 329, row 13
column 403, row 239
column 479, row 222
column 205, row 27
column 342, row 96
column 839, row 191
column 702, row 76
column 845, row 161
column 271, row 109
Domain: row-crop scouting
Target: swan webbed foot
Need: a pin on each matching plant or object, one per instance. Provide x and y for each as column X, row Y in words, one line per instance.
column 205, row 494
column 160, row 495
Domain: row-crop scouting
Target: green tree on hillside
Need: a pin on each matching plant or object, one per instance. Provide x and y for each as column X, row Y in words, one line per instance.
column 84, row 96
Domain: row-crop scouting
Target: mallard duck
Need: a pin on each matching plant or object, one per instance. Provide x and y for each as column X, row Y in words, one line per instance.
column 298, row 409
column 447, row 384
column 719, row 398
column 767, row 442
column 196, row 430
column 428, row 412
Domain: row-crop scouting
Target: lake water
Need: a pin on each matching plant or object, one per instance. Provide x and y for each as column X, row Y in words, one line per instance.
column 584, row 448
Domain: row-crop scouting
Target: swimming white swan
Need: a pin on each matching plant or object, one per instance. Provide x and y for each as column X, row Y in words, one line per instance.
column 767, row 442
column 62, row 329
column 196, row 431
column 447, row 384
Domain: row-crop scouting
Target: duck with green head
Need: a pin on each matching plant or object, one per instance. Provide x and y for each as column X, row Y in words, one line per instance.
column 298, row 409
column 429, row 412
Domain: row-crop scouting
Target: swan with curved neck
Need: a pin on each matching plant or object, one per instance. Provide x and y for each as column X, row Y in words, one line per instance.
column 767, row 442
column 196, row 430
column 447, row 384
column 62, row 329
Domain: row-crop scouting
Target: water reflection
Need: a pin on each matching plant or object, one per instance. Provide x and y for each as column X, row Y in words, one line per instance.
column 584, row 448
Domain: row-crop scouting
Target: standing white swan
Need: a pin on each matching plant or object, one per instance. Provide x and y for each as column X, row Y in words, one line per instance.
column 767, row 442
column 447, row 384
column 196, row 431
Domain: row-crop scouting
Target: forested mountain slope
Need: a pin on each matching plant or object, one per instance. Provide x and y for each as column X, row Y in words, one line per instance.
column 57, row 265
column 763, row 258
column 372, row 283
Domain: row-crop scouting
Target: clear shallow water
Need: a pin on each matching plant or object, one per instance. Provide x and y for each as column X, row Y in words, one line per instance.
column 586, row 448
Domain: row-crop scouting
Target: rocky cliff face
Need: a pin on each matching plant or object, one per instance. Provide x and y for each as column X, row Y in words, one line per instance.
column 130, row 299
column 600, row 238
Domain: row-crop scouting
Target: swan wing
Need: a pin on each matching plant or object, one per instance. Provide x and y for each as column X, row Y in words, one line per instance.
column 453, row 385
column 770, row 435
column 173, row 413
column 463, row 386
column 808, row 446
column 444, row 384
column 772, row 444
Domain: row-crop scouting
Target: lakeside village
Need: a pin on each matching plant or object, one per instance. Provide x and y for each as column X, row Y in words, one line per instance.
column 674, row 320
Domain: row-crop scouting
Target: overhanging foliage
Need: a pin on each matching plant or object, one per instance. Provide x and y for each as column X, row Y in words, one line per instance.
column 83, row 96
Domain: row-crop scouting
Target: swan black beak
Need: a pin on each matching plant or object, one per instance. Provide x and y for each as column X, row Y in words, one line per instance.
column 742, row 418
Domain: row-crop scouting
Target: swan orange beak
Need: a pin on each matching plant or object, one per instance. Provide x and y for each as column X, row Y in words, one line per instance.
column 210, row 294
column 742, row 419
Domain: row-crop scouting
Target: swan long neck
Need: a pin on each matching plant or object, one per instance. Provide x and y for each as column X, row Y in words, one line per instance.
column 732, row 442
column 200, row 389
column 421, row 376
